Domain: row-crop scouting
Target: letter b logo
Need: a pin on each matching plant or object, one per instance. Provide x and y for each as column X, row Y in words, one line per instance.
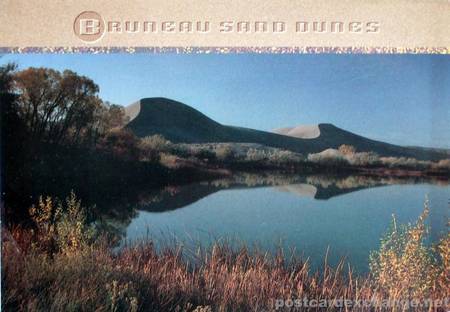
column 89, row 26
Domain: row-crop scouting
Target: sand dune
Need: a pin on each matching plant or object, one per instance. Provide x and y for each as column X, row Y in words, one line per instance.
column 302, row 189
column 301, row 131
column 133, row 110
column 181, row 123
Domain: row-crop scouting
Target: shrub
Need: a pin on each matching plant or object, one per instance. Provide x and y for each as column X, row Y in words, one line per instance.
column 346, row 155
column 254, row 154
column 148, row 154
column 73, row 231
column 283, row 156
column 225, row 153
column 274, row 155
column 156, row 142
column 180, row 150
column 443, row 164
column 121, row 143
column 330, row 157
column 347, row 149
column 404, row 162
column 150, row 147
column 402, row 267
column 45, row 216
column 121, row 297
column 220, row 278
column 205, row 154
column 61, row 225
column 362, row 159
column 442, row 266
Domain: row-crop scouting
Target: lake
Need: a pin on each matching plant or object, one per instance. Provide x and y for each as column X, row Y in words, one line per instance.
column 348, row 214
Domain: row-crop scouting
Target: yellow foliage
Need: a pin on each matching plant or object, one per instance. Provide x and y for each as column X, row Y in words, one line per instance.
column 405, row 267
column 61, row 226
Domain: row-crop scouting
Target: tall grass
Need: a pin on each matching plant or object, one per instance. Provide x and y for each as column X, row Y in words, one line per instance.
column 89, row 276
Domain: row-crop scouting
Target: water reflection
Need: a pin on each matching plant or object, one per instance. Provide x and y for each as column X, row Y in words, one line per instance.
column 321, row 187
column 310, row 213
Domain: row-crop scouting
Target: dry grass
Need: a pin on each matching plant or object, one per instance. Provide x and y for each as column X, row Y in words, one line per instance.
column 91, row 277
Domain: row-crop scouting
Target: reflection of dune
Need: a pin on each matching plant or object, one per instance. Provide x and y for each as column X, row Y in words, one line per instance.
column 320, row 187
column 348, row 182
column 304, row 190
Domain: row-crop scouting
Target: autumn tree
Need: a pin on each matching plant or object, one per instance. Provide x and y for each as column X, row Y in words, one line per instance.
column 8, row 100
column 57, row 107
column 52, row 122
column 115, row 116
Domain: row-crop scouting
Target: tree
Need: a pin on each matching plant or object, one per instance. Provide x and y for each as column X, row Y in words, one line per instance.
column 116, row 117
column 13, row 131
column 57, row 107
column 13, row 140
column 8, row 101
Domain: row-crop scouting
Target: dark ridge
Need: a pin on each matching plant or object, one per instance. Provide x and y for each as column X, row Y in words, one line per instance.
column 181, row 123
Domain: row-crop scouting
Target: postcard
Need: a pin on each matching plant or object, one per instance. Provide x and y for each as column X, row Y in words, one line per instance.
column 225, row 155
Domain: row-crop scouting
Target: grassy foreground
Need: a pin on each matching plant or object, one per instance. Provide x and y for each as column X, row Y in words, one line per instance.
column 62, row 264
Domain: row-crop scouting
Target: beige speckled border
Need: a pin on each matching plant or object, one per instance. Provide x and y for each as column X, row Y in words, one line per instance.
column 225, row 50
column 403, row 26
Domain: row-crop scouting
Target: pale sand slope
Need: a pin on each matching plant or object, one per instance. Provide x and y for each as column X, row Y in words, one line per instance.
column 132, row 110
column 304, row 190
column 301, row 132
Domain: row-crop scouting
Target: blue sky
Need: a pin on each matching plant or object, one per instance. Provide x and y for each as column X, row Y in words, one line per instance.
column 401, row 99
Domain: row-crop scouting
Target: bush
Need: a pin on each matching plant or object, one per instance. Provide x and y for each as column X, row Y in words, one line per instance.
column 205, row 155
column 443, row 164
column 151, row 147
column 225, row 153
column 219, row 278
column 330, row 157
column 404, row 162
column 273, row 156
column 362, row 159
column 344, row 156
column 254, row 154
column 180, row 150
column 156, row 142
column 121, row 143
column 442, row 265
column 347, row 149
column 148, row 154
column 61, row 225
column 283, row 157
column 403, row 266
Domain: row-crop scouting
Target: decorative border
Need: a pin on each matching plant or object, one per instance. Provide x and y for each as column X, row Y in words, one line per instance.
column 226, row 50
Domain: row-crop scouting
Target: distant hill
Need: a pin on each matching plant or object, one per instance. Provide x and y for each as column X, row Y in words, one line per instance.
column 181, row 123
